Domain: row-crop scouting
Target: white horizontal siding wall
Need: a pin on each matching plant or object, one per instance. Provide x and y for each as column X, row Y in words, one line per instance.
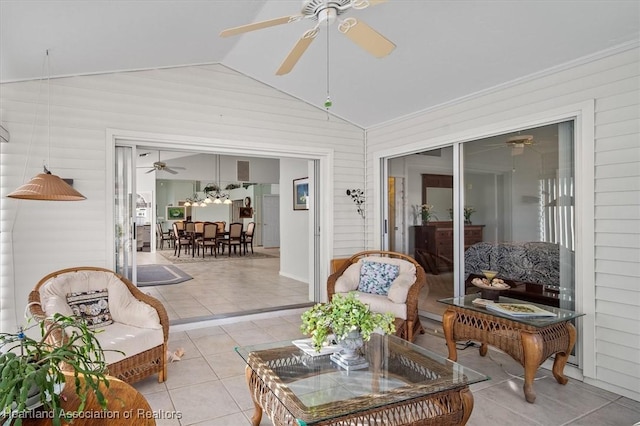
column 199, row 101
column 613, row 81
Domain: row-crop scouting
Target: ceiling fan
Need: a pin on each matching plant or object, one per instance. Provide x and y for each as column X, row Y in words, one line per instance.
column 516, row 143
column 161, row 166
column 325, row 11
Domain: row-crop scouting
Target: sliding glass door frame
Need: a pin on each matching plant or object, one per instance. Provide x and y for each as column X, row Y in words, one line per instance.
column 583, row 116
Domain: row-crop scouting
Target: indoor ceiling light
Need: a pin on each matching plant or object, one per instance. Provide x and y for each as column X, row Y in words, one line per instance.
column 212, row 191
column 46, row 186
column 195, row 201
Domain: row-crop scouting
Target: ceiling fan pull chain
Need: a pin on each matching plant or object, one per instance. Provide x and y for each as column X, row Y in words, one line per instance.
column 328, row 103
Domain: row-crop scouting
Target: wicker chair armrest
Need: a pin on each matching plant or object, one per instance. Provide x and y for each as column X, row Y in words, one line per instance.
column 412, row 299
column 34, row 306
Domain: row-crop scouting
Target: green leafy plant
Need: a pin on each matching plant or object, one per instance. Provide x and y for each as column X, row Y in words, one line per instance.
column 468, row 211
column 343, row 314
column 34, row 366
column 211, row 187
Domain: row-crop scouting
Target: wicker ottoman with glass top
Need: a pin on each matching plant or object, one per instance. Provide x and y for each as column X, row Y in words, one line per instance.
column 528, row 340
column 404, row 384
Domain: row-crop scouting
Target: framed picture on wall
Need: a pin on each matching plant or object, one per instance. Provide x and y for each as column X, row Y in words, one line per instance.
column 176, row 213
column 301, row 194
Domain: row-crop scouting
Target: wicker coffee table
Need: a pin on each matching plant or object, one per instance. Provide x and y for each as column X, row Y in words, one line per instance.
column 529, row 340
column 404, row 384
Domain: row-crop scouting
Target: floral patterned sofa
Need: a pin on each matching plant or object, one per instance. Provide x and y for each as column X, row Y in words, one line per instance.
column 531, row 268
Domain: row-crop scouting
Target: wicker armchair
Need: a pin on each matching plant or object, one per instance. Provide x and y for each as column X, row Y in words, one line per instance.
column 408, row 328
column 47, row 298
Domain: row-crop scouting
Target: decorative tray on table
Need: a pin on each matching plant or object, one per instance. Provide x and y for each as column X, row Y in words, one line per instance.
column 519, row 310
column 306, row 345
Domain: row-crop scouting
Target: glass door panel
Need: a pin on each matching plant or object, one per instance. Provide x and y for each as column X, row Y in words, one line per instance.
column 124, row 212
column 520, row 188
column 428, row 186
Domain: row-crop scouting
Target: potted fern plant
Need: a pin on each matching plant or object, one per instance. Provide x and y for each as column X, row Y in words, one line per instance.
column 31, row 368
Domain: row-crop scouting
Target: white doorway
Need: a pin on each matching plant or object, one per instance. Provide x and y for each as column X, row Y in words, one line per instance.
column 271, row 221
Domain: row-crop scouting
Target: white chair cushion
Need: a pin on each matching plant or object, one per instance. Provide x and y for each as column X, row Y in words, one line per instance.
column 399, row 289
column 382, row 304
column 349, row 279
column 128, row 339
column 123, row 306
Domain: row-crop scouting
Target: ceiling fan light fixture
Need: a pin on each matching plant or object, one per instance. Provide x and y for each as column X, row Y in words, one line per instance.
column 520, row 140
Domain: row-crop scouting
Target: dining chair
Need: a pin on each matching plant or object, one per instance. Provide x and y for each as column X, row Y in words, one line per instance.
column 181, row 239
column 180, row 225
column 198, row 230
column 235, row 237
column 247, row 238
column 209, row 239
column 162, row 236
column 221, row 232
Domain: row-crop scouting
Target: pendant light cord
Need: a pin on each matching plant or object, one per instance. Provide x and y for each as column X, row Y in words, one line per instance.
column 35, row 117
column 24, row 175
column 48, row 163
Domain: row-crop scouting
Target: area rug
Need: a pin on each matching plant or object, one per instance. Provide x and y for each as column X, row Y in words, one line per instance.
column 149, row 275
column 187, row 258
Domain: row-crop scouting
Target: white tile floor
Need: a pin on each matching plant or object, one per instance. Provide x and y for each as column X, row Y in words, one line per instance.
column 225, row 286
column 207, row 387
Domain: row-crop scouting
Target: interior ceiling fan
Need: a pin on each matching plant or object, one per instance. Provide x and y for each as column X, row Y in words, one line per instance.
column 516, row 143
column 325, row 12
column 161, row 166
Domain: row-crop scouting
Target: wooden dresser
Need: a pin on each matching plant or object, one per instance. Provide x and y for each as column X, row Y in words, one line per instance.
column 436, row 239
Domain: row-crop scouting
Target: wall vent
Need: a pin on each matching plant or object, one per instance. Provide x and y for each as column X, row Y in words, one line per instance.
column 243, row 171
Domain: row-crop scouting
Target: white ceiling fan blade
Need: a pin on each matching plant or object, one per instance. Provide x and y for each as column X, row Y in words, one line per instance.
column 259, row 25
column 300, row 47
column 149, row 171
column 168, row 170
column 366, row 37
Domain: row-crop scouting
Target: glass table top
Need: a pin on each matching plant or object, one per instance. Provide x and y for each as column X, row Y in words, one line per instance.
column 561, row 315
column 314, row 388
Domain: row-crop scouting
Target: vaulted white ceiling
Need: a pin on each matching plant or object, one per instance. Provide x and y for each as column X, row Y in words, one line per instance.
column 445, row 49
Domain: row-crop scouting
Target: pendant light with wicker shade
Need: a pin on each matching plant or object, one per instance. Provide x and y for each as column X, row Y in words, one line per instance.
column 46, row 186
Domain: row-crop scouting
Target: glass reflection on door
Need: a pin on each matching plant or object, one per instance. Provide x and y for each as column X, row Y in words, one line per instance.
column 124, row 212
column 520, row 186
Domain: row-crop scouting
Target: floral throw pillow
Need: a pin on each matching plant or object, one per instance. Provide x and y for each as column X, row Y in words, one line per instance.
column 377, row 277
column 92, row 306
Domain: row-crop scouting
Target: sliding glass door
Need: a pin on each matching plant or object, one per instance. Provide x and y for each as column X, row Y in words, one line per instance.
column 503, row 203
column 519, row 190
column 125, row 242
